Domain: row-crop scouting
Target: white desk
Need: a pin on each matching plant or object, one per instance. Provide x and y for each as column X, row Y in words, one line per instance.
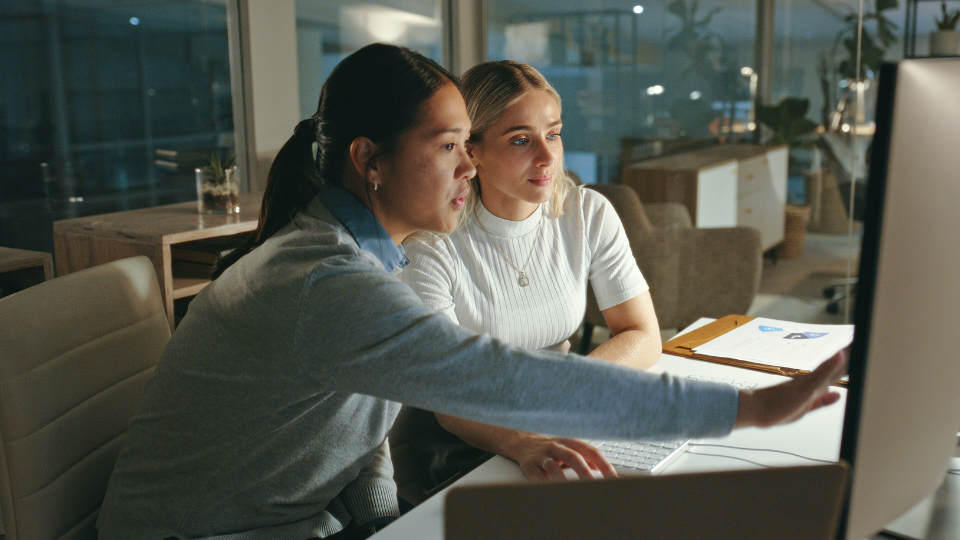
column 817, row 435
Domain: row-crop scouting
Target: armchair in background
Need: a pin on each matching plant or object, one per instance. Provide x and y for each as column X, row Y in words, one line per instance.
column 692, row 272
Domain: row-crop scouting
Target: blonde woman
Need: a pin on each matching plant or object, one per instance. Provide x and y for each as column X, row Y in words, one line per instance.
column 518, row 265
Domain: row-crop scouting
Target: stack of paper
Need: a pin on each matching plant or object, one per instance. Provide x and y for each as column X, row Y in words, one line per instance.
column 780, row 343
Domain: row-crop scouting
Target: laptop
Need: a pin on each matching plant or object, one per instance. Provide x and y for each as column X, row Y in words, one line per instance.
column 790, row 503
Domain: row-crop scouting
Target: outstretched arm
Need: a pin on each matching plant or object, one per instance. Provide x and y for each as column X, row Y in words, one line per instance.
column 423, row 359
column 787, row 402
column 543, row 457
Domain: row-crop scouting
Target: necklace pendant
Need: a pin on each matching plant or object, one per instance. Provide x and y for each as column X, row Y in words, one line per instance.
column 523, row 280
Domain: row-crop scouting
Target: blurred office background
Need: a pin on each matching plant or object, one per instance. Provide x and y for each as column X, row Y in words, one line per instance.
column 108, row 106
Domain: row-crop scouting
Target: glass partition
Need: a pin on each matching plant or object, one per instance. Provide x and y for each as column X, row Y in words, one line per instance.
column 823, row 56
column 106, row 107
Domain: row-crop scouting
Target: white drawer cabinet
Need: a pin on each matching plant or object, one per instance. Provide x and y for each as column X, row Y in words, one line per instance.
column 721, row 186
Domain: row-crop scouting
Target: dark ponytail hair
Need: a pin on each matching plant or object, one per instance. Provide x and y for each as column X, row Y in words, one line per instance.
column 376, row 93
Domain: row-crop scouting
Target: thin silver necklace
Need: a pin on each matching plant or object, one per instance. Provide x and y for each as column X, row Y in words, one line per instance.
column 522, row 278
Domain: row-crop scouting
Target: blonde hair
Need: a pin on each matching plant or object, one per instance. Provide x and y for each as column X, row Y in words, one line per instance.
column 489, row 89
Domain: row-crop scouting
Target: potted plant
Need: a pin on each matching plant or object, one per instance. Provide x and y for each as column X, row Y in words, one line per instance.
column 787, row 121
column 218, row 188
column 789, row 125
column 946, row 40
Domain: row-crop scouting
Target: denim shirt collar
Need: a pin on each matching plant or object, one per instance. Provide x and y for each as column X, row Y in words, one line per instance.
column 363, row 226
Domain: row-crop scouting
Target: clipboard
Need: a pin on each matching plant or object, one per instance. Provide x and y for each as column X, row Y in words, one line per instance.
column 683, row 345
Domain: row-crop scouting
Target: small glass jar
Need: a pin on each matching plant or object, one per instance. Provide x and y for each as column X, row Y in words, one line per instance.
column 218, row 193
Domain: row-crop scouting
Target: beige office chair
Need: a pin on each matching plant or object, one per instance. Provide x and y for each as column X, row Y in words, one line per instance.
column 75, row 353
column 692, row 272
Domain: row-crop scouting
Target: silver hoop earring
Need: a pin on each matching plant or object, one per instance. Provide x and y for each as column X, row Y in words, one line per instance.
column 376, row 186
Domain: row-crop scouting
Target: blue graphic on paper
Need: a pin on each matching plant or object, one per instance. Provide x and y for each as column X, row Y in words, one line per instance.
column 805, row 335
column 770, row 329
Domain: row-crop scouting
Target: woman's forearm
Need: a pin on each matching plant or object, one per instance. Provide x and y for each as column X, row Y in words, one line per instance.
column 493, row 439
column 638, row 349
column 636, row 334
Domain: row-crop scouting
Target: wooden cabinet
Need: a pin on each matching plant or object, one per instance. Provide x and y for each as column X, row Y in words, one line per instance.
column 722, row 186
column 20, row 269
column 89, row 241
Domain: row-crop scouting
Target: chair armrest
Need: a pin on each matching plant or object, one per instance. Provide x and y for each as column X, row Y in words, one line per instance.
column 668, row 216
column 696, row 273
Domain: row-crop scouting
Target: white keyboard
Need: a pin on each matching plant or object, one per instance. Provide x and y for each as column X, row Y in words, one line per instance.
column 652, row 457
column 641, row 457
column 739, row 385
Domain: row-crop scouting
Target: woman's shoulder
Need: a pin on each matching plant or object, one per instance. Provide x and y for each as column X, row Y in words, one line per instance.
column 431, row 245
column 583, row 205
column 592, row 199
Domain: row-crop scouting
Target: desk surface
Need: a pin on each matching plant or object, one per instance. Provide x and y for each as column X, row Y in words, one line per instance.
column 169, row 224
column 88, row 241
column 817, row 435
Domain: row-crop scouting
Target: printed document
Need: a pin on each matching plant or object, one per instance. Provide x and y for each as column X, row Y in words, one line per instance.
column 780, row 343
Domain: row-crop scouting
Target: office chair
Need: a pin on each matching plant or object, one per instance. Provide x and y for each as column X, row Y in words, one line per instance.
column 76, row 352
column 692, row 272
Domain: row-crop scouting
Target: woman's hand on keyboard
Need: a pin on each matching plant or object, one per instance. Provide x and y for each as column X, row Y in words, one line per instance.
column 543, row 458
column 789, row 401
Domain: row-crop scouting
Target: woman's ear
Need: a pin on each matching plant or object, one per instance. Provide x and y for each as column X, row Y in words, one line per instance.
column 474, row 151
column 363, row 153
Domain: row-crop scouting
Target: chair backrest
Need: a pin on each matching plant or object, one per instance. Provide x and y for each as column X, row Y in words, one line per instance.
column 692, row 272
column 75, row 353
column 629, row 207
column 791, row 503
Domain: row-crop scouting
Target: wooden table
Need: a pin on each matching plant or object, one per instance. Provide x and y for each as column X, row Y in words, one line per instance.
column 84, row 242
column 20, row 269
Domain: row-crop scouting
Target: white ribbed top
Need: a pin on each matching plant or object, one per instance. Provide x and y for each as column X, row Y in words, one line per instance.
column 465, row 277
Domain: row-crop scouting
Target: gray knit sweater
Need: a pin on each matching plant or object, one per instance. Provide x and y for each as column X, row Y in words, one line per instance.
column 268, row 412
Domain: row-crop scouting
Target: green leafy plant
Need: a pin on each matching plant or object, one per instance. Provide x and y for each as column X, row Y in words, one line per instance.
column 218, row 166
column 877, row 36
column 787, row 121
column 948, row 19
column 874, row 45
column 692, row 28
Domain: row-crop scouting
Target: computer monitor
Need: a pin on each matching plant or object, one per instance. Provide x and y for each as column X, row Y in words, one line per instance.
column 903, row 404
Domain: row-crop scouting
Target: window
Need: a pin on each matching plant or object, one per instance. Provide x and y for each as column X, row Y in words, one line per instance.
column 642, row 79
column 660, row 70
column 106, row 107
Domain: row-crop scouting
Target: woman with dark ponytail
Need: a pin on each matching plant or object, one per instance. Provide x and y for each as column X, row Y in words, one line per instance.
column 267, row 414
